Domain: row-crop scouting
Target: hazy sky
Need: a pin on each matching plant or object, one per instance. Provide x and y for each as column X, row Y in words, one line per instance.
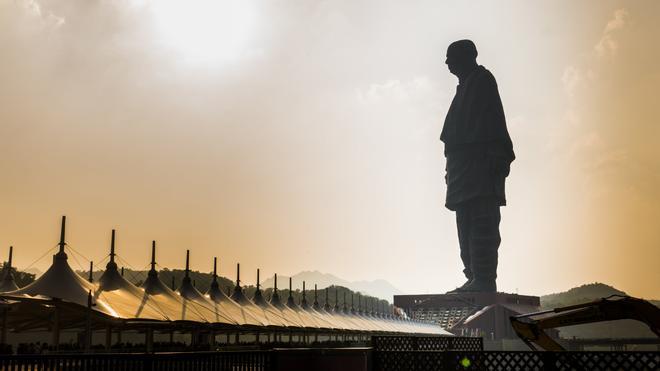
column 301, row 135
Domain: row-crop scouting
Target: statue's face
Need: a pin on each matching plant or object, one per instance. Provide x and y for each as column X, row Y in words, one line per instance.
column 458, row 62
column 452, row 62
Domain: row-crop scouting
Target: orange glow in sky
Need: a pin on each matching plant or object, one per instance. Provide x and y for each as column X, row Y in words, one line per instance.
column 303, row 135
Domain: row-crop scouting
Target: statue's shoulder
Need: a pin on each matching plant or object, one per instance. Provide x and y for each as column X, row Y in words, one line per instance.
column 486, row 77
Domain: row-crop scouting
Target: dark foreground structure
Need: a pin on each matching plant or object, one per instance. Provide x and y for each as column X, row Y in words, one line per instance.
column 61, row 303
column 483, row 314
column 387, row 353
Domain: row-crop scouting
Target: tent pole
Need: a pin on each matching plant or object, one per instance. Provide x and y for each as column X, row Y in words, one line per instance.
column 108, row 338
column 149, row 340
column 56, row 328
column 3, row 339
column 119, row 338
column 62, row 233
column 88, row 324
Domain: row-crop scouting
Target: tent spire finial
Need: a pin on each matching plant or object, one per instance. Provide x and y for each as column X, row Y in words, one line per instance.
column 258, row 285
column 112, row 247
column 187, row 263
column 315, row 304
column 62, row 233
column 91, row 271
column 275, row 297
column 11, row 253
column 238, row 274
column 336, row 298
column 290, row 299
column 215, row 269
column 153, row 255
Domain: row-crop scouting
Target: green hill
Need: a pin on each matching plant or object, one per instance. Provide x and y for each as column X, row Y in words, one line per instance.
column 611, row 329
column 577, row 295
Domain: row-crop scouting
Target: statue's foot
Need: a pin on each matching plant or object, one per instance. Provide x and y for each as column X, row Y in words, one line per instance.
column 478, row 285
column 460, row 289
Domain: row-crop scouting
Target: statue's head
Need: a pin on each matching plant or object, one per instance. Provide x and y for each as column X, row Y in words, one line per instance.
column 461, row 57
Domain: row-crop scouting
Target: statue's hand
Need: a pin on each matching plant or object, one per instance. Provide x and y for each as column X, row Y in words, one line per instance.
column 500, row 166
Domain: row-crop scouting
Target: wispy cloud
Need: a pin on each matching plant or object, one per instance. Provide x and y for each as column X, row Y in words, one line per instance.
column 608, row 45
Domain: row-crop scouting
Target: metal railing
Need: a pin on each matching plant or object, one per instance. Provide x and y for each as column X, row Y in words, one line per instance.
column 235, row 361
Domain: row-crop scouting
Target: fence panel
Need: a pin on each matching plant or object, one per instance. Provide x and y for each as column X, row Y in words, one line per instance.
column 514, row 360
column 434, row 343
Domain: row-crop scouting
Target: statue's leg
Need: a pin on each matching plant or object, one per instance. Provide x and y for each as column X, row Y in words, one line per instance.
column 463, row 226
column 484, row 241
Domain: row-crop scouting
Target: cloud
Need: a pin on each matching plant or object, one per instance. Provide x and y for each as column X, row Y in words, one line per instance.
column 570, row 79
column 393, row 91
column 608, row 45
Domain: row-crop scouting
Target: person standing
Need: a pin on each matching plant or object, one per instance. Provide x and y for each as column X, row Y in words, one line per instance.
column 479, row 153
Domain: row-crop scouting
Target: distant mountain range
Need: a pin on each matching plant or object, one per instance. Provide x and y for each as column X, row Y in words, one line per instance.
column 378, row 288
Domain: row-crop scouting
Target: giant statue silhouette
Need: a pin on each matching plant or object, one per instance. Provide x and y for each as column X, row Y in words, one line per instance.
column 479, row 153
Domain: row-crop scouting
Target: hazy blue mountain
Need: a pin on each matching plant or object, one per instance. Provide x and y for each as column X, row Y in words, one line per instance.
column 378, row 288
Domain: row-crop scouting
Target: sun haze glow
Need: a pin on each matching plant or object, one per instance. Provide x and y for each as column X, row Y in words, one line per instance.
column 205, row 30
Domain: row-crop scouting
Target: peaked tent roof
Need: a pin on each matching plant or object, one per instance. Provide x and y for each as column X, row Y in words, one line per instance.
column 115, row 297
column 8, row 282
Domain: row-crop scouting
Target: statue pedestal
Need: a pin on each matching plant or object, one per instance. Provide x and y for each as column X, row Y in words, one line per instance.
column 484, row 314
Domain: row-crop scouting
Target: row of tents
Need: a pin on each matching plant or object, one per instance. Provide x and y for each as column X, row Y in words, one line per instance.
column 61, row 298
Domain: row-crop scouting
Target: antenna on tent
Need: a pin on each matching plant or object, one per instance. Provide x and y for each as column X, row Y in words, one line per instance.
column 275, row 288
column 11, row 253
column 187, row 263
column 91, row 270
column 62, row 232
column 238, row 274
column 258, row 285
column 215, row 269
